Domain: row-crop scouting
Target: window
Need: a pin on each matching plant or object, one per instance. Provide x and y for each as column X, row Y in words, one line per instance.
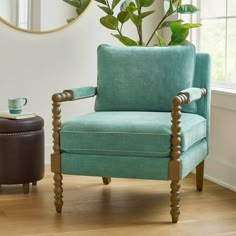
column 217, row 36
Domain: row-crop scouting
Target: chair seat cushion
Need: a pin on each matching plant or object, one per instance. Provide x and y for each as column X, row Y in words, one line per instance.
column 129, row 133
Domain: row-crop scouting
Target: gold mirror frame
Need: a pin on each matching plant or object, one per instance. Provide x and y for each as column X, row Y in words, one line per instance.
column 45, row 31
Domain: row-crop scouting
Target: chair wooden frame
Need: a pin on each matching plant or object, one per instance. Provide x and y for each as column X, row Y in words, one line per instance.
column 174, row 164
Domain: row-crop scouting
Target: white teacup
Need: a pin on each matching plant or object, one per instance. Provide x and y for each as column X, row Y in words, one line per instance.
column 15, row 105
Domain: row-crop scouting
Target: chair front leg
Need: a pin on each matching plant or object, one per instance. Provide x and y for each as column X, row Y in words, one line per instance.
column 58, row 190
column 56, row 156
column 175, row 164
column 175, row 199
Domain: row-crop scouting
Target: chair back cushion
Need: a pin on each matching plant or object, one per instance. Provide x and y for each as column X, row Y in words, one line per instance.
column 142, row 78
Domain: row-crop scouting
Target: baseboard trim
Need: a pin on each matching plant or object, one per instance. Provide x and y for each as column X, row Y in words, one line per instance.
column 220, row 173
column 219, row 182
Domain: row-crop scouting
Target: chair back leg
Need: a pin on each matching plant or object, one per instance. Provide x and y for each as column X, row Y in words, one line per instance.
column 106, row 180
column 200, row 176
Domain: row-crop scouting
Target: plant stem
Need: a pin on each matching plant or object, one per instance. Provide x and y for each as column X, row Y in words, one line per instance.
column 119, row 31
column 140, row 29
column 162, row 20
column 140, row 35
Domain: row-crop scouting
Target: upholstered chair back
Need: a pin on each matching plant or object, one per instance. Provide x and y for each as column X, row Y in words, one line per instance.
column 143, row 78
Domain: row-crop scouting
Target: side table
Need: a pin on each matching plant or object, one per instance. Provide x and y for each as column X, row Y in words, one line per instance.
column 21, row 151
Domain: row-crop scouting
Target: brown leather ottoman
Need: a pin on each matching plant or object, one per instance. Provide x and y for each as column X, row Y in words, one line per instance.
column 21, row 151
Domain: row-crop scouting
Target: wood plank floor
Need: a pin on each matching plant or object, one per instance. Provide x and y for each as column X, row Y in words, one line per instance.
column 125, row 207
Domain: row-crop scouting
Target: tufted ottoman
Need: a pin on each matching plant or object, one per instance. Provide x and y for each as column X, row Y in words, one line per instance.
column 21, row 151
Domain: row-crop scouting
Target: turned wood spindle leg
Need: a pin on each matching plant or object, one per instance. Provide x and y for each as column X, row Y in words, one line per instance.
column 175, row 163
column 58, row 192
column 55, row 156
column 175, row 199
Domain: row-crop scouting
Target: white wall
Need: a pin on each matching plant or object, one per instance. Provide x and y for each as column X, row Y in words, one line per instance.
column 54, row 13
column 221, row 163
column 5, row 9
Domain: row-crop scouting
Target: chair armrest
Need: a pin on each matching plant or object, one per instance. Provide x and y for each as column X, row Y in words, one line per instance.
column 184, row 97
column 192, row 94
column 80, row 93
column 74, row 94
column 57, row 98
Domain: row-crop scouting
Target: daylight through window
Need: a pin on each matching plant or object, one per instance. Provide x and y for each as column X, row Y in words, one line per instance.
column 217, row 36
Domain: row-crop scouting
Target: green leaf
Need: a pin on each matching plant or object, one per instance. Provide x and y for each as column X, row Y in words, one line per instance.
column 125, row 4
column 191, row 25
column 123, row 16
column 180, row 37
column 172, row 43
column 138, row 4
column 100, row 1
column 131, row 8
column 179, row 3
column 146, row 3
column 70, row 20
column 179, row 33
column 109, row 22
column 147, row 13
column 169, row 7
column 79, row 10
column 107, row 10
column 125, row 40
column 160, row 40
column 168, row 23
column 72, row 3
column 175, row 26
column 137, row 20
column 114, row 3
column 83, row 5
column 187, row 9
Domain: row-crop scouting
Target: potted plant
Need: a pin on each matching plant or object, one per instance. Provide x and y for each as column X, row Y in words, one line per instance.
column 134, row 11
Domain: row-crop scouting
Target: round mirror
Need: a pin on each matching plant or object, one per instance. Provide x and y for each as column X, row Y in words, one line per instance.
column 41, row 16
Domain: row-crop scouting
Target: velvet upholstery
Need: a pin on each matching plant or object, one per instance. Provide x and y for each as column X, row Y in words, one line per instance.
column 125, row 75
column 130, row 166
column 202, row 80
column 83, row 92
column 115, row 166
column 129, row 133
column 193, row 94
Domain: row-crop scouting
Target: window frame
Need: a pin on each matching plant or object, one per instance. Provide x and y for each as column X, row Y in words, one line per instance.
column 195, row 36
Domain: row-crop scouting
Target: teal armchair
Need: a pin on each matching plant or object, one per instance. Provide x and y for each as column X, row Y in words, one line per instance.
column 151, row 119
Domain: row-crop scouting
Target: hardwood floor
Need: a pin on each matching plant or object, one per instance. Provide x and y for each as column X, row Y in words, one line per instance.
column 125, row 207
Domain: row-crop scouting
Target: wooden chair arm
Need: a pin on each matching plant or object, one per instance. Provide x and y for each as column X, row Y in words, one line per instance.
column 175, row 163
column 57, row 99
